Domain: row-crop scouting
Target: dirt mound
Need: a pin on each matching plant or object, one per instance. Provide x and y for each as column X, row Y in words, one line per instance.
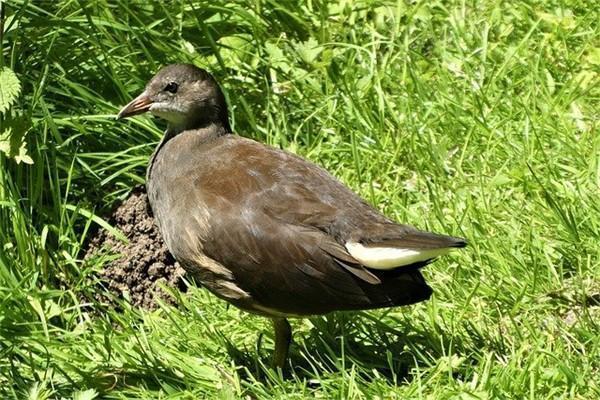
column 144, row 263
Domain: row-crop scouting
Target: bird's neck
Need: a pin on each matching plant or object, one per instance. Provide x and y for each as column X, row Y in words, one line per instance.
column 210, row 116
column 207, row 129
column 204, row 133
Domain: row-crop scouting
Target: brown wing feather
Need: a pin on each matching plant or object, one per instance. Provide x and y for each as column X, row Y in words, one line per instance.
column 402, row 236
column 289, row 271
column 298, row 192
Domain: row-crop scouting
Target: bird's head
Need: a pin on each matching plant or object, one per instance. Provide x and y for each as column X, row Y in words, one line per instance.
column 186, row 96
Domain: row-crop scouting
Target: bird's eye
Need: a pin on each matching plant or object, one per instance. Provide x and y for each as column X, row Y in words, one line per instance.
column 171, row 87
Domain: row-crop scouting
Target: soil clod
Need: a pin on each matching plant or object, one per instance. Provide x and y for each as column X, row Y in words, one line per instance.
column 141, row 266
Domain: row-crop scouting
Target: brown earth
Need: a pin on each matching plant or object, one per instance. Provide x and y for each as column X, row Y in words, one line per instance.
column 144, row 263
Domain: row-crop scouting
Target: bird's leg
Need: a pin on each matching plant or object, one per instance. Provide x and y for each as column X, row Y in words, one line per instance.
column 283, row 337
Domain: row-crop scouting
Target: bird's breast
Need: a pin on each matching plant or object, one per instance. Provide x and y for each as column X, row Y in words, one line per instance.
column 184, row 217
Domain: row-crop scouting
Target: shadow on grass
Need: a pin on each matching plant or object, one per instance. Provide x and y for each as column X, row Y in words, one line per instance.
column 345, row 341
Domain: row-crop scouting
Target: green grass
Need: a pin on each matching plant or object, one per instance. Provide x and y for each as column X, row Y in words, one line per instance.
column 477, row 119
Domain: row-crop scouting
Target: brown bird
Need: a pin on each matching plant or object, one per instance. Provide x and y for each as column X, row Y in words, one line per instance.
column 266, row 230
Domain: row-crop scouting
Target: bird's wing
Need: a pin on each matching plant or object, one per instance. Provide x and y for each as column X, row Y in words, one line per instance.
column 300, row 270
column 296, row 192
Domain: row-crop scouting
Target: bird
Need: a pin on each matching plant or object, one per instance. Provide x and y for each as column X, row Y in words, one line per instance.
column 264, row 229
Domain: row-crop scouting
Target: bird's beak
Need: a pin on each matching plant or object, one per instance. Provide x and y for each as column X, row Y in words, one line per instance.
column 139, row 105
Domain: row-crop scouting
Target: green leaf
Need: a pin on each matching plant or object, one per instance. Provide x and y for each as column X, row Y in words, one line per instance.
column 309, row 50
column 593, row 56
column 10, row 87
column 277, row 59
column 236, row 48
column 22, row 157
column 5, row 141
column 12, row 139
column 563, row 18
column 89, row 394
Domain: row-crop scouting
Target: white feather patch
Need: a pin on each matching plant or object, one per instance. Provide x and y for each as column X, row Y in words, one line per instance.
column 389, row 257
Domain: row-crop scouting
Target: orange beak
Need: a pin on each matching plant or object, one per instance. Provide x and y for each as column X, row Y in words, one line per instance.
column 139, row 105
